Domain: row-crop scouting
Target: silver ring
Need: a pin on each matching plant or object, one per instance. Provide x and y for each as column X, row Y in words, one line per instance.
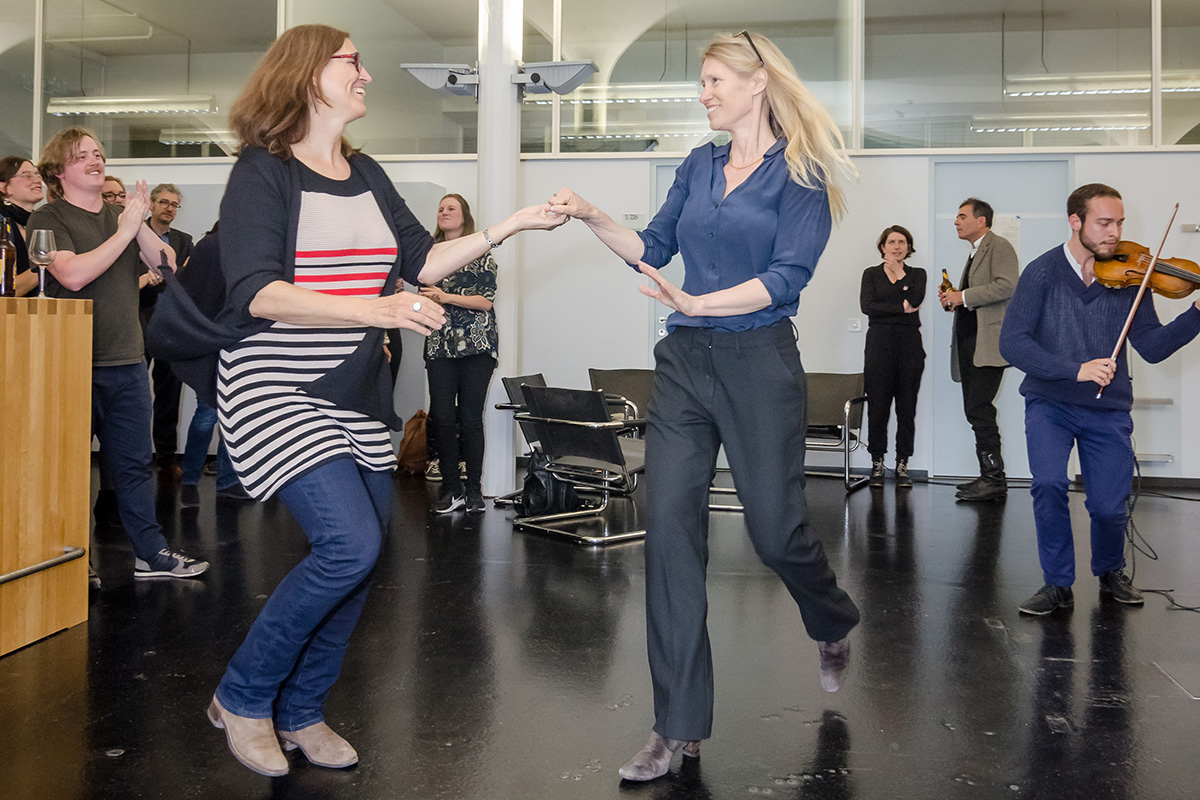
column 417, row 306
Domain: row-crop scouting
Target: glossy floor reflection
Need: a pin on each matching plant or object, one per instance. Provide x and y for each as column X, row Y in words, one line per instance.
column 498, row 665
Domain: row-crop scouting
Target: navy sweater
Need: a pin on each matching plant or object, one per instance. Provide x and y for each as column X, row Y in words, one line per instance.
column 1054, row 324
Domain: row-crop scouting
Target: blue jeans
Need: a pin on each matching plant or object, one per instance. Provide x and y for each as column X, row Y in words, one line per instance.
column 1106, row 459
column 196, row 449
column 293, row 652
column 121, row 421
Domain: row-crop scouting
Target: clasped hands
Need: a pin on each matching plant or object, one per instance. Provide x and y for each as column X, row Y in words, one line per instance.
column 568, row 204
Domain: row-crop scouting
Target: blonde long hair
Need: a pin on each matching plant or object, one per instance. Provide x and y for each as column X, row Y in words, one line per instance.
column 816, row 153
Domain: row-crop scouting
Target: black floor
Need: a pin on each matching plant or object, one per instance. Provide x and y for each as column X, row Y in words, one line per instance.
column 498, row 665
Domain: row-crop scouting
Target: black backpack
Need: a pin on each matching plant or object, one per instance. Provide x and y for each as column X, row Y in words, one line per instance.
column 545, row 493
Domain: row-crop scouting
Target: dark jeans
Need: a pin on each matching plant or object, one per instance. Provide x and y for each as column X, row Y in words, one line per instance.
column 746, row 390
column 980, row 385
column 1106, row 459
column 167, row 392
column 121, row 421
column 892, row 367
column 458, row 391
column 293, row 653
column 196, row 450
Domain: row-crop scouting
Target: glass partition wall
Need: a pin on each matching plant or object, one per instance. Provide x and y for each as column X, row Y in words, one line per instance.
column 155, row 78
column 644, row 96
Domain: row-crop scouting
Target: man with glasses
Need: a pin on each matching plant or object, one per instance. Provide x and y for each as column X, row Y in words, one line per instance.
column 165, row 202
column 101, row 249
column 113, row 191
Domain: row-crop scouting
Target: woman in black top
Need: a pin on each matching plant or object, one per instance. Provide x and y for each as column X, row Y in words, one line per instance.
column 20, row 190
column 891, row 297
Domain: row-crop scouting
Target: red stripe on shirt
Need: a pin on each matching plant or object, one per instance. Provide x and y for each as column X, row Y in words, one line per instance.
column 374, row 251
column 345, row 276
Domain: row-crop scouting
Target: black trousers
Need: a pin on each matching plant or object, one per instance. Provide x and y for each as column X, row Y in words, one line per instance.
column 980, row 385
column 168, row 390
column 892, row 366
column 747, row 391
column 457, row 393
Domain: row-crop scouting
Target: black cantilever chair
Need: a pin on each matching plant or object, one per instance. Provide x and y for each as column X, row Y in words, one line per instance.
column 584, row 447
column 835, row 410
column 516, row 404
column 630, row 389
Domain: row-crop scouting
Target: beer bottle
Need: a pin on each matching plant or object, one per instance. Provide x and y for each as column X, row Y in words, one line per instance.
column 946, row 286
column 8, row 261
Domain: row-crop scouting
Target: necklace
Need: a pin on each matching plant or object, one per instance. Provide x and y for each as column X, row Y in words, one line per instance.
column 748, row 166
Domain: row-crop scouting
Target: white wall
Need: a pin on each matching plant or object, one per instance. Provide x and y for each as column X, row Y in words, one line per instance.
column 579, row 306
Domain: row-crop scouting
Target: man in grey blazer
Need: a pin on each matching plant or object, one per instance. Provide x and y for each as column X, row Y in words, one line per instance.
column 987, row 283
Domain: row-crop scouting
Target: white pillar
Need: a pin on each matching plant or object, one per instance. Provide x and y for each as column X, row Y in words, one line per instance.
column 500, row 27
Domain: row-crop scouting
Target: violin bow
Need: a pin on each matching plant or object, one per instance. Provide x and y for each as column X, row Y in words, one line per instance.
column 1141, row 291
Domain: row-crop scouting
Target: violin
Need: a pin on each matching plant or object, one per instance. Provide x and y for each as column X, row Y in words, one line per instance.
column 1172, row 277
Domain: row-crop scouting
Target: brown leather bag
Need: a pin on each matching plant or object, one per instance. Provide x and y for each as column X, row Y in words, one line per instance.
column 410, row 460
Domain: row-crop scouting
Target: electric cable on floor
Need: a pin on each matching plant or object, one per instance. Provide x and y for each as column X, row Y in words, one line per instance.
column 1133, row 536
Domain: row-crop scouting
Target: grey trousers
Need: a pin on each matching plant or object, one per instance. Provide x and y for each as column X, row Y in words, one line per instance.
column 745, row 390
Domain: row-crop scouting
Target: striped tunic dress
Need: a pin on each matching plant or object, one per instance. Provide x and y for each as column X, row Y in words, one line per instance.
column 274, row 431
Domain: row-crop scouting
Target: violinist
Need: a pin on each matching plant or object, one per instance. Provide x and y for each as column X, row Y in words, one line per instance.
column 1060, row 330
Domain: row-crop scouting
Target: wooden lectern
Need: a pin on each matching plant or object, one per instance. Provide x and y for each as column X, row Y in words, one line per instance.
column 45, row 452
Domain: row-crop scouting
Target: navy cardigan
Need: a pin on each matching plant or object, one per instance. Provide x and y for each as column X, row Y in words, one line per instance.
column 260, row 214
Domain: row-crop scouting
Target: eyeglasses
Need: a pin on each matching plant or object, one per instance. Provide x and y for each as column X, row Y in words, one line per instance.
column 29, row 176
column 354, row 58
column 110, row 197
column 750, row 41
column 171, row 204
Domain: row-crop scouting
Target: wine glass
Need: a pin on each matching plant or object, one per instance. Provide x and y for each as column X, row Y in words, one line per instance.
column 42, row 251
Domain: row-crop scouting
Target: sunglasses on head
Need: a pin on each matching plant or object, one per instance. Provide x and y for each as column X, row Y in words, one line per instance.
column 750, row 41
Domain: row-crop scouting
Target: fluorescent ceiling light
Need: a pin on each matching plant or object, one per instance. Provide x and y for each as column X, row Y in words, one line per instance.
column 1026, row 123
column 627, row 94
column 1116, row 83
column 196, row 136
column 131, row 106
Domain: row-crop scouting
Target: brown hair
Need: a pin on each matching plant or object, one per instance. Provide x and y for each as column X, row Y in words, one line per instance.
column 273, row 110
column 58, row 154
column 116, row 180
column 1080, row 200
column 10, row 166
column 439, row 235
column 888, row 231
column 815, row 153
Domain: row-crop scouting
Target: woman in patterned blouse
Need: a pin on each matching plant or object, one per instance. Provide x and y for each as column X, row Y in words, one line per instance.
column 460, row 359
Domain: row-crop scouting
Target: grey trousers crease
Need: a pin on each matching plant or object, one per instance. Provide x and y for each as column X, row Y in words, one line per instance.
column 745, row 390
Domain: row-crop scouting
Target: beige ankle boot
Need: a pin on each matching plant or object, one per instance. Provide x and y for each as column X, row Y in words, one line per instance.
column 252, row 741
column 321, row 746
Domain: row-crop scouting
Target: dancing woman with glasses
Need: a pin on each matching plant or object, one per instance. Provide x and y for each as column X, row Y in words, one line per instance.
column 20, row 190
column 751, row 219
column 311, row 234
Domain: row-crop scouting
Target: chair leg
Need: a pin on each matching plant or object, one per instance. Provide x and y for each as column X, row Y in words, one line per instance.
column 546, row 523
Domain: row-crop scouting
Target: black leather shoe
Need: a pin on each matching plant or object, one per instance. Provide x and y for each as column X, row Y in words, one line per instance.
column 1048, row 599
column 1116, row 584
column 962, row 487
column 235, row 492
column 189, row 495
